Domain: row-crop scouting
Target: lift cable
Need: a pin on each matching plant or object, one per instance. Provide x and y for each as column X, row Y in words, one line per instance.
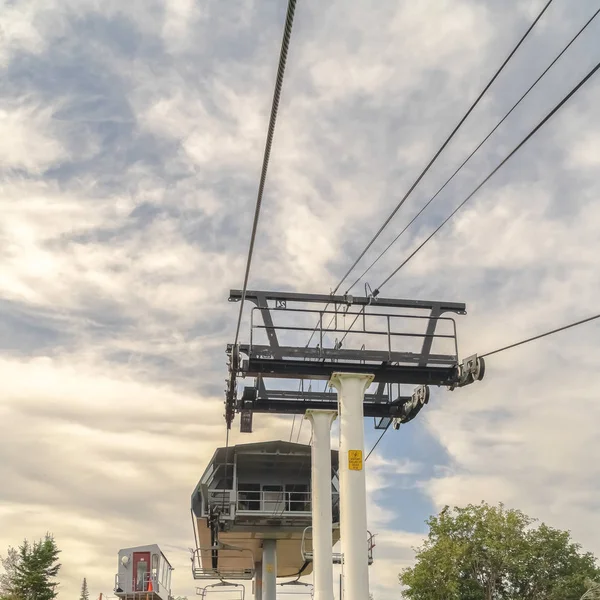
column 489, row 176
column 495, row 170
column 443, row 146
column 485, row 139
column 435, row 157
column 542, row 335
column 378, row 440
column 268, row 144
column 531, row 339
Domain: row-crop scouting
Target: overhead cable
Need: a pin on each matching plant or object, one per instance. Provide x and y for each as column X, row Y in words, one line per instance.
column 377, row 442
column 287, row 32
column 485, row 139
column 542, row 335
column 496, row 169
column 443, row 146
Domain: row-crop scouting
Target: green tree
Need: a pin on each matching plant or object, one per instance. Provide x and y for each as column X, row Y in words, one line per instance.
column 85, row 594
column 490, row 553
column 33, row 576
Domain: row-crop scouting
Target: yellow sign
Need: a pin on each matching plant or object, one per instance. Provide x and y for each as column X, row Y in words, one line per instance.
column 355, row 461
column 269, row 568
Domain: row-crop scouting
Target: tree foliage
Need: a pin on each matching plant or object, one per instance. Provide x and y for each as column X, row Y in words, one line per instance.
column 30, row 571
column 491, row 553
column 85, row 594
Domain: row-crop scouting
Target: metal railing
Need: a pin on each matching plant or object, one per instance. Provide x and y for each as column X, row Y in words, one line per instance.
column 224, row 499
column 381, row 324
column 149, row 584
column 232, row 502
column 276, row 502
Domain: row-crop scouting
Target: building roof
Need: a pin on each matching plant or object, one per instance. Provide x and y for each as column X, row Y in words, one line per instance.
column 223, row 454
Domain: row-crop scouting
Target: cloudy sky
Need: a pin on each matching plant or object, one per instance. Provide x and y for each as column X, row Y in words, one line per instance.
column 130, row 149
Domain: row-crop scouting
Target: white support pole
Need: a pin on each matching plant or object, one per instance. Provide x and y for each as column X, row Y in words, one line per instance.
column 351, row 389
column 322, row 520
column 269, row 570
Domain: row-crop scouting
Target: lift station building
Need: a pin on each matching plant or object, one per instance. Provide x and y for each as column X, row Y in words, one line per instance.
column 250, row 493
column 143, row 574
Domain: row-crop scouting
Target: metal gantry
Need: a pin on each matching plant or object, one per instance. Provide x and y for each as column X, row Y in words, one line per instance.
column 311, row 336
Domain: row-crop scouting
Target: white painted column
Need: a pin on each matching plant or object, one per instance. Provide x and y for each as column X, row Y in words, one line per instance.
column 322, row 521
column 351, row 389
column 269, row 570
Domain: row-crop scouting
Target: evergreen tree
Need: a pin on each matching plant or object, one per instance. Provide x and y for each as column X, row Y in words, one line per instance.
column 85, row 594
column 36, row 570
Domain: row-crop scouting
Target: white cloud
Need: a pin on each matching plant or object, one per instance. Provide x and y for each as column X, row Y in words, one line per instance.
column 116, row 265
column 29, row 138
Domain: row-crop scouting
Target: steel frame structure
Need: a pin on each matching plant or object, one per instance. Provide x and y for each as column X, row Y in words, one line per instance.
column 390, row 367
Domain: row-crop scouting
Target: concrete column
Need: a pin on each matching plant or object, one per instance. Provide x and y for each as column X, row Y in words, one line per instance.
column 269, row 570
column 351, row 389
column 258, row 581
column 322, row 521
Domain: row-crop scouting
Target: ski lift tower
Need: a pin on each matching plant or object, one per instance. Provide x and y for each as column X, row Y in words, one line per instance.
column 370, row 349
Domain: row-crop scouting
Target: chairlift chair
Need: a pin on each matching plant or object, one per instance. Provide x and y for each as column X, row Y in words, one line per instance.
column 220, row 557
column 210, row 591
column 308, row 554
column 295, row 588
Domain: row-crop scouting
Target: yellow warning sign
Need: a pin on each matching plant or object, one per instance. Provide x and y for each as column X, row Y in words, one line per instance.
column 355, row 461
column 270, row 568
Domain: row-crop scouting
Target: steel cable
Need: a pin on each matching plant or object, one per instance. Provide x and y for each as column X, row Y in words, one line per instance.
column 485, row 139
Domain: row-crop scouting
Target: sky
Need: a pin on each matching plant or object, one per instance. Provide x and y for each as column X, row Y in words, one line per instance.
column 130, row 150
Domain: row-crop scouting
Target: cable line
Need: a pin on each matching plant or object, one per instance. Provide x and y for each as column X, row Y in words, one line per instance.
column 443, row 146
column 424, row 172
column 498, row 167
column 509, row 347
column 287, row 32
column 485, row 139
column 542, row 335
column 377, row 442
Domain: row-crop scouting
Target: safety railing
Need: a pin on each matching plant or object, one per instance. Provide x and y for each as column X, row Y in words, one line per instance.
column 149, row 583
column 224, row 500
column 273, row 502
column 380, row 331
column 306, row 549
column 231, row 503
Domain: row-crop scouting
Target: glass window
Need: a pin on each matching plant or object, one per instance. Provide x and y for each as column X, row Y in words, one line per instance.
column 297, row 497
column 249, row 496
column 163, row 574
column 142, row 569
column 155, row 567
column 273, row 498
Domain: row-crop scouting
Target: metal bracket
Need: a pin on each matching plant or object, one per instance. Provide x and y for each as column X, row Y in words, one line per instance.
column 412, row 408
